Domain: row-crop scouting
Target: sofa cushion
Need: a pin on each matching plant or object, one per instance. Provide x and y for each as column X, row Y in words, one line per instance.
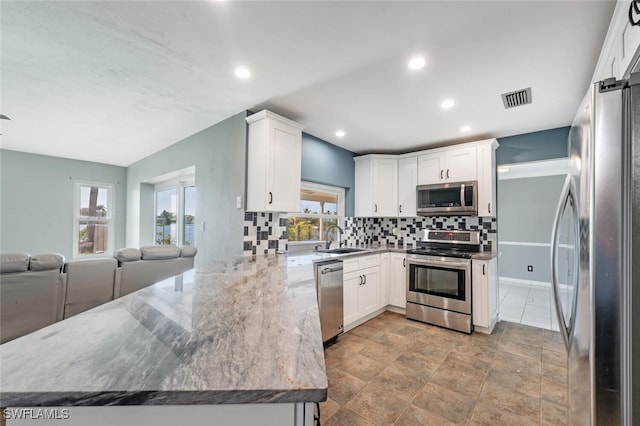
column 46, row 261
column 127, row 254
column 188, row 251
column 159, row 252
column 14, row 262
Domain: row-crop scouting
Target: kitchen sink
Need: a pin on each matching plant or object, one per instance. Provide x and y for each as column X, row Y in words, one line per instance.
column 341, row 250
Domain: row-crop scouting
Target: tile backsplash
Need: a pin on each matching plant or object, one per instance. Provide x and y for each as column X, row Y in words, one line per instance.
column 404, row 232
column 266, row 233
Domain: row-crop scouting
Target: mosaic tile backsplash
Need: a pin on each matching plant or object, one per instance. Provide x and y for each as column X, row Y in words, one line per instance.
column 266, row 233
column 404, row 232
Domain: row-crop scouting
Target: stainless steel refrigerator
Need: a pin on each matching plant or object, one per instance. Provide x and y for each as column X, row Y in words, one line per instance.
column 595, row 257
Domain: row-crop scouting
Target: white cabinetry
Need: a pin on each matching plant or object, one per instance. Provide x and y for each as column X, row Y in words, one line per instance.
column 385, row 259
column 376, row 182
column 398, row 280
column 447, row 165
column 407, row 181
column 487, row 177
column 484, row 294
column 273, row 163
column 361, row 283
column 620, row 47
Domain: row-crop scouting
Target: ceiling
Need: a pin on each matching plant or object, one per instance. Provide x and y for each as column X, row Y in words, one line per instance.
column 116, row 81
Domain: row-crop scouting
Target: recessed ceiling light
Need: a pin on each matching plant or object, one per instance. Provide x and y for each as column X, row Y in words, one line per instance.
column 416, row 62
column 340, row 133
column 447, row 104
column 242, row 72
column 465, row 129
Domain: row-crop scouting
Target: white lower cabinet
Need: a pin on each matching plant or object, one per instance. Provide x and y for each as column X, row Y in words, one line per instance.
column 361, row 284
column 398, row 280
column 484, row 294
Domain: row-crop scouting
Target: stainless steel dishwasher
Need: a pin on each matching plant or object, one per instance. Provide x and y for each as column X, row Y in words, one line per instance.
column 329, row 289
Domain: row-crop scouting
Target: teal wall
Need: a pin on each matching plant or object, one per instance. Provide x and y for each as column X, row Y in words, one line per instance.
column 218, row 154
column 37, row 196
column 535, row 146
column 328, row 164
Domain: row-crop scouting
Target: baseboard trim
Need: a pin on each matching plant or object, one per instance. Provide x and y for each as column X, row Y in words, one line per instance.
column 523, row 283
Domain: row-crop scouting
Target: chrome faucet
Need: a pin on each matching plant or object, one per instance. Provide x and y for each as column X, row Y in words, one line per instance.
column 326, row 236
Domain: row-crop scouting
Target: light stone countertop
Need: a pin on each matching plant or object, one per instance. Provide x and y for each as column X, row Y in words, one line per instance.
column 240, row 331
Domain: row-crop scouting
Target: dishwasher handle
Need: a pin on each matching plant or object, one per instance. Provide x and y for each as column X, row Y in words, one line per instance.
column 328, row 269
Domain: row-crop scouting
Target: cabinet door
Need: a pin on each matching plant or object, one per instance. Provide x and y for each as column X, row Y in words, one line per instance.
column 368, row 292
column 407, row 181
column 460, row 164
column 398, row 281
column 492, row 281
column 430, row 168
column 283, row 178
column 351, row 283
column 480, row 293
column 385, row 281
column 385, row 187
column 486, row 181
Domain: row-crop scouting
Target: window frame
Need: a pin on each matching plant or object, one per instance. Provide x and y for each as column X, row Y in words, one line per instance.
column 328, row 189
column 179, row 184
column 109, row 220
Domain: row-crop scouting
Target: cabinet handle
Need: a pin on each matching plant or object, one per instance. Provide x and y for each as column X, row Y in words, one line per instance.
column 404, row 263
column 441, row 174
column 489, row 207
column 447, row 173
column 361, row 282
column 270, row 197
column 483, row 270
column 375, row 208
column 365, row 280
column 400, row 208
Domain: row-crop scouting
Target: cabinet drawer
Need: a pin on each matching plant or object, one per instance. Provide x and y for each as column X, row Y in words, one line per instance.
column 360, row 262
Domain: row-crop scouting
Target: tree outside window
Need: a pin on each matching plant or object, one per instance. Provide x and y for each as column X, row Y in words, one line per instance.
column 94, row 225
column 319, row 208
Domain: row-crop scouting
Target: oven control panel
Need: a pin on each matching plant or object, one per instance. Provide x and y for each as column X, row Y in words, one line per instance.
column 452, row 236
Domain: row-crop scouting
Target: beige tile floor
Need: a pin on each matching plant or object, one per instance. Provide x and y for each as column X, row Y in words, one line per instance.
column 394, row 371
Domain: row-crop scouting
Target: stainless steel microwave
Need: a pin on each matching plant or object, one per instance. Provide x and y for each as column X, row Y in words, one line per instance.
column 448, row 199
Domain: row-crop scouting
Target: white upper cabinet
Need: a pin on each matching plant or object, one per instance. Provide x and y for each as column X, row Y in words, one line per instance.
column 487, row 177
column 407, row 181
column 447, row 165
column 620, row 45
column 376, row 182
column 273, row 163
column 385, row 185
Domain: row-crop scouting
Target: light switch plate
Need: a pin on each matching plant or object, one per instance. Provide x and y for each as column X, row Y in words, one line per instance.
column 239, row 202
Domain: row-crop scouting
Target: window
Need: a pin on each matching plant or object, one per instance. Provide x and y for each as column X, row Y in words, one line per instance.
column 320, row 207
column 93, row 225
column 175, row 212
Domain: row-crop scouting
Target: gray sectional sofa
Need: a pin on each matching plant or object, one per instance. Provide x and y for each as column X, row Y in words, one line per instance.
column 36, row 291
column 32, row 293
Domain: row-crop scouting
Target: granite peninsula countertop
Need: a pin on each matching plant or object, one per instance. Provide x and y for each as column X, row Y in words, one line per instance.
column 239, row 331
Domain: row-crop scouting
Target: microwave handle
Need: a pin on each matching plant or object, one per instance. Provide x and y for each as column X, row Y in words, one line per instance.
column 462, row 195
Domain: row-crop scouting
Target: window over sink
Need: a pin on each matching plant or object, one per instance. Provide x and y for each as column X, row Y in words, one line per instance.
column 320, row 207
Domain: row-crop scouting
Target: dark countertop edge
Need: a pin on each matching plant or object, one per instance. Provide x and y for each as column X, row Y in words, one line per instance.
column 160, row 398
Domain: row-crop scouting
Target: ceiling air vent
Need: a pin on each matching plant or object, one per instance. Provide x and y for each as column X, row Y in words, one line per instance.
column 517, row 98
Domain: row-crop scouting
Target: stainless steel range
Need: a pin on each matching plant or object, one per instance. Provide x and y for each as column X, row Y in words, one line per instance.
column 439, row 278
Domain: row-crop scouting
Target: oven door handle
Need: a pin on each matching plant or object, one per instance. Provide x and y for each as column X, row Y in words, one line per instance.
column 440, row 264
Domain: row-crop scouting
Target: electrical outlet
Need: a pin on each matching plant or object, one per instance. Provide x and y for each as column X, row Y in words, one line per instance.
column 530, row 268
